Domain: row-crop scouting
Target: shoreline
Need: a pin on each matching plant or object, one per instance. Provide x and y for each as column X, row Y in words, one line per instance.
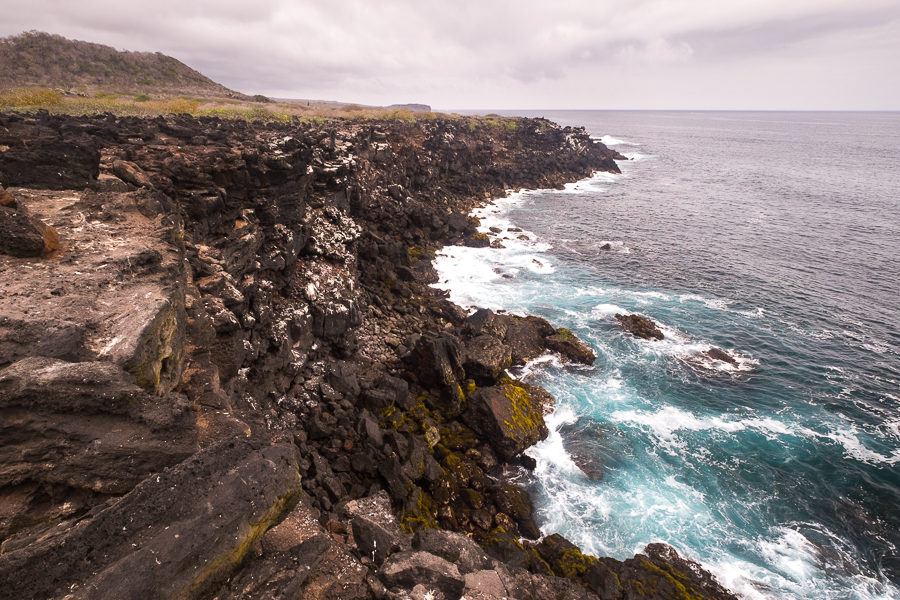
column 524, row 371
column 330, row 403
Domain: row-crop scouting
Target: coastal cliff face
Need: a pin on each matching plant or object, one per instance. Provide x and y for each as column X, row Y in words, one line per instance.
column 226, row 375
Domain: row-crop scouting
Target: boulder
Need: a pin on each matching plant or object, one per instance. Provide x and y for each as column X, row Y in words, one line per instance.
column 485, row 582
column 7, row 200
column 485, row 321
column 24, row 236
column 639, row 326
column 376, row 531
column 507, row 416
column 478, row 240
column 515, row 502
column 719, row 354
column 454, row 547
column 407, row 569
column 486, row 357
column 436, row 360
column 525, row 337
column 564, row 342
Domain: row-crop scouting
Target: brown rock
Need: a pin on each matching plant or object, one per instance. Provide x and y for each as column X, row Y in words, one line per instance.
column 24, row 236
column 640, row 326
column 564, row 342
column 7, row 200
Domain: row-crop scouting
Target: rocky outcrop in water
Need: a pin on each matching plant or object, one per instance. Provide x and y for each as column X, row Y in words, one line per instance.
column 639, row 326
column 232, row 379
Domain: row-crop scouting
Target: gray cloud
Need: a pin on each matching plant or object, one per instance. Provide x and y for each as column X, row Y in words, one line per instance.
column 506, row 54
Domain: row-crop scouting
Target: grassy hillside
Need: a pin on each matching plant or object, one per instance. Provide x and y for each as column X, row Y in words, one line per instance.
column 36, row 59
column 43, row 71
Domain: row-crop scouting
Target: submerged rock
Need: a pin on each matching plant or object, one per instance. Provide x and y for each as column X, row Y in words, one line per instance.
column 639, row 326
column 721, row 355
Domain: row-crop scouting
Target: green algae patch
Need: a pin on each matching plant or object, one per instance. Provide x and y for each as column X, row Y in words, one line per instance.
column 418, row 511
column 675, row 579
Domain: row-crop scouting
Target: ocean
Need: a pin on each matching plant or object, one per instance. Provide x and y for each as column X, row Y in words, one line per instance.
column 772, row 236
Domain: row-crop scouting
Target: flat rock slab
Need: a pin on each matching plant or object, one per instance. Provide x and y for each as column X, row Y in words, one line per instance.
column 112, row 292
column 407, row 569
column 173, row 536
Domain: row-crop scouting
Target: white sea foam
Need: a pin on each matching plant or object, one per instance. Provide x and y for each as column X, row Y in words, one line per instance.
column 694, row 352
column 604, row 310
column 612, row 141
column 848, row 437
column 666, row 424
column 716, row 303
column 614, row 246
column 636, row 156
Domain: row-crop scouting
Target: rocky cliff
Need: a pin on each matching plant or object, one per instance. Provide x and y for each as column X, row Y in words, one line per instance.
column 223, row 373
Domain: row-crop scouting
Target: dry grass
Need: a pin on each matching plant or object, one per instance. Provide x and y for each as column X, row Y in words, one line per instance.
column 143, row 104
column 30, row 97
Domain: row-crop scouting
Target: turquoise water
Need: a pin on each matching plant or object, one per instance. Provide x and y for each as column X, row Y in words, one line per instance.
column 773, row 236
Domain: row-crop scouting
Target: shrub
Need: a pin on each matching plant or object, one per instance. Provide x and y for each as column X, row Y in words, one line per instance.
column 141, row 98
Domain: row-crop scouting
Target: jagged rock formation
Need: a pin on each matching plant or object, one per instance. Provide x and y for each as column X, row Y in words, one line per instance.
column 232, row 380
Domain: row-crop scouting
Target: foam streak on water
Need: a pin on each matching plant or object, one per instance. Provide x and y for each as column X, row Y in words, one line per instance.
column 779, row 472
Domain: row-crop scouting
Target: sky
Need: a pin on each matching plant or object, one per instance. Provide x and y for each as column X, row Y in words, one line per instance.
column 499, row 54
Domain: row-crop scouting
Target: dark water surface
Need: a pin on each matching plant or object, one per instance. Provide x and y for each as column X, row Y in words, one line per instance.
column 773, row 236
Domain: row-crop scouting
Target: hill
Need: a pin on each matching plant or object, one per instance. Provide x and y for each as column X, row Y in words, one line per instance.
column 37, row 59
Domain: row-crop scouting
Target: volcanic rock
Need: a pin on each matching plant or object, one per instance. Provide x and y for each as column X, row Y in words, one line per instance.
column 639, row 326
column 565, row 343
column 507, row 416
column 406, row 569
column 24, row 236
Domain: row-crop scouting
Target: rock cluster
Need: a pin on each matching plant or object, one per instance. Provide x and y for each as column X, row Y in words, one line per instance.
column 234, row 381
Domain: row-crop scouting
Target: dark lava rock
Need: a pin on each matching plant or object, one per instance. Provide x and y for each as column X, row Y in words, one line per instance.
column 407, row 569
column 507, row 416
column 454, row 547
column 663, row 571
column 565, row 343
column 486, row 357
column 376, row 531
column 515, row 502
column 437, row 361
column 606, row 247
column 640, row 326
column 24, row 236
column 174, row 535
column 525, row 336
column 478, row 240
column 719, row 354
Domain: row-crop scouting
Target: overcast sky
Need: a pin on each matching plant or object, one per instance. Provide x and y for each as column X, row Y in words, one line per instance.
column 483, row 54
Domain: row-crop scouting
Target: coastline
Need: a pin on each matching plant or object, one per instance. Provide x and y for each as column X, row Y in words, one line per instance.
column 294, row 311
column 501, row 206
